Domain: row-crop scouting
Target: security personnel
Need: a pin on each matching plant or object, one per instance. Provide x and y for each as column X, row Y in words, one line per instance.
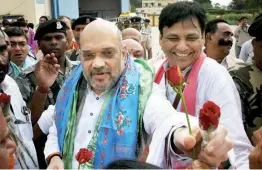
column 33, row 81
column 146, row 37
column 249, row 83
column 78, row 26
column 146, row 27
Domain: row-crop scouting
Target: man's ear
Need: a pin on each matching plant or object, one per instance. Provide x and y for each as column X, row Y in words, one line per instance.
column 253, row 42
column 160, row 39
column 124, row 51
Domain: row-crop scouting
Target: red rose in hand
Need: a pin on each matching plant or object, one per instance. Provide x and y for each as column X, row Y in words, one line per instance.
column 5, row 99
column 84, row 155
column 209, row 116
column 174, row 76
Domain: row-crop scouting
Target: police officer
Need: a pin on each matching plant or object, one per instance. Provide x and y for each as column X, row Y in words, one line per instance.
column 146, row 37
column 147, row 28
column 78, row 26
column 38, row 86
column 249, row 83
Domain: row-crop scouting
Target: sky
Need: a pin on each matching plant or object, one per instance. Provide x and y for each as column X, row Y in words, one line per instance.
column 221, row 2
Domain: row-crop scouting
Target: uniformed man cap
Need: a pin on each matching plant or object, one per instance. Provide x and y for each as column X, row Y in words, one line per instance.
column 147, row 20
column 255, row 29
column 83, row 20
column 135, row 19
column 50, row 26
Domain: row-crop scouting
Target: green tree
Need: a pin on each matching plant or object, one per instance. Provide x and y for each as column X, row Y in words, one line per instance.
column 205, row 3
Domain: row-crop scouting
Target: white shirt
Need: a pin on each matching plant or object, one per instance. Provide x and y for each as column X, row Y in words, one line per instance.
column 215, row 84
column 10, row 87
column 230, row 62
column 246, row 53
column 159, row 117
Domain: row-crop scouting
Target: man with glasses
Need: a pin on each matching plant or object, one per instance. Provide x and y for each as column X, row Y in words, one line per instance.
column 23, row 25
column 20, row 116
column 39, row 91
column 19, row 48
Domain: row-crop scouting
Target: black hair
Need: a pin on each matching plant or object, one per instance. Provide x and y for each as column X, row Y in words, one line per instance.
column 15, row 32
column 19, row 24
column 242, row 18
column 257, row 17
column 45, row 17
column 21, row 19
column 130, row 164
column 5, row 22
column 31, row 25
column 180, row 11
column 63, row 16
column 211, row 26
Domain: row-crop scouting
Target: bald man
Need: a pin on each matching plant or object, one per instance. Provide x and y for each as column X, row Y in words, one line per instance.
column 131, row 33
column 110, row 102
column 134, row 48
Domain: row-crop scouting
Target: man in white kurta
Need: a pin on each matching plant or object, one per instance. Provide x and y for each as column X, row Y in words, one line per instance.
column 182, row 43
column 159, row 118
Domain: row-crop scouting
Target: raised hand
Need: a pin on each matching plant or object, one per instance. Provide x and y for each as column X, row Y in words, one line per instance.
column 46, row 70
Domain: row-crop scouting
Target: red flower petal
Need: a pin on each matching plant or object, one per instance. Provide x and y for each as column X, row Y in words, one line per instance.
column 209, row 115
column 174, row 76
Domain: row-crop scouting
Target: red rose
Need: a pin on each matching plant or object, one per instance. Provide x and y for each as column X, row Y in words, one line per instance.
column 209, row 116
column 174, row 76
column 5, row 99
column 84, row 155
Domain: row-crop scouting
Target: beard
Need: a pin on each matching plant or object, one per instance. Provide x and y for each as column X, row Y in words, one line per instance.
column 3, row 72
column 107, row 85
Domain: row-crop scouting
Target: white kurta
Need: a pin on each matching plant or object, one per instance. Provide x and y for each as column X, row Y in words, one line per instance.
column 230, row 62
column 10, row 87
column 159, row 117
column 215, row 84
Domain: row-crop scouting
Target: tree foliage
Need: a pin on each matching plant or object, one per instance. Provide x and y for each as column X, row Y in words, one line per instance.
column 245, row 4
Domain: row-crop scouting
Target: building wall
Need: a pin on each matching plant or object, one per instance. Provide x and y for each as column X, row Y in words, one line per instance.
column 19, row 7
column 30, row 9
column 68, row 8
column 100, row 8
column 42, row 7
column 154, row 6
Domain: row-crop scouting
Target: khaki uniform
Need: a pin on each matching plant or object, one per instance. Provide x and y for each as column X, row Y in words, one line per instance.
column 146, row 42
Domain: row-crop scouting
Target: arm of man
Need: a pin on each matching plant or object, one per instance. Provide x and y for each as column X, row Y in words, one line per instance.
column 46, row 72
column 161, row 120
column 52, row 151
column 244, row 52
column 44, row 123
column 236, row 32
column 223, row 92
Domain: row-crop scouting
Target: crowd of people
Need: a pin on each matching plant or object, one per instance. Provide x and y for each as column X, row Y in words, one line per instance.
column 84, row 93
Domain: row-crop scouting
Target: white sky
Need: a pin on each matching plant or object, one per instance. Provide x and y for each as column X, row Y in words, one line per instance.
column 221, row 2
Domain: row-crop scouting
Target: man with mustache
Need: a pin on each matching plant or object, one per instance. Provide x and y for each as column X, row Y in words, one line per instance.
column 39, row 91
column 109, row 104
column 218, row 42
column 19, row 121
column 182, row 38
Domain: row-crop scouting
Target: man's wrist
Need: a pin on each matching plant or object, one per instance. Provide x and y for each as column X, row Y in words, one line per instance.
column 54, row 155
column 42, row 90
